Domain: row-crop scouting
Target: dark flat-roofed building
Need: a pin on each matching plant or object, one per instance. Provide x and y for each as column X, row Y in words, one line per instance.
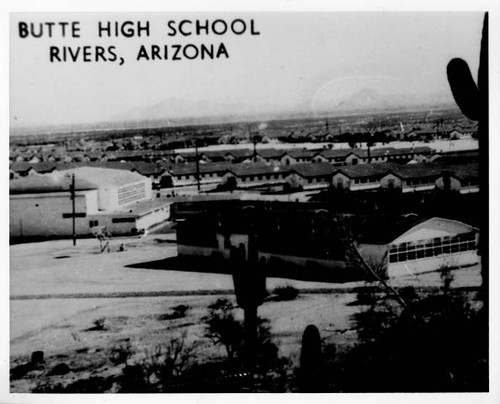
column 318, row 243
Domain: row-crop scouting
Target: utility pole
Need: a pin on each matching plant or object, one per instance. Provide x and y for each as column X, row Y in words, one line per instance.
column 73, row 213
column 197, row 166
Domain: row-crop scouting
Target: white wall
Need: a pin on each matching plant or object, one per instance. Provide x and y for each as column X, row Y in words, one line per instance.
column 33, row 215
column 159, row 215
column 346, row 181
column 92, row 201
column 384, row 181
column 116, row 229
column 109, row 195
column 432, row 263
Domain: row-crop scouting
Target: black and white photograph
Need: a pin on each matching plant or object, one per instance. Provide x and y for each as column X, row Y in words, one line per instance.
column 249, row 202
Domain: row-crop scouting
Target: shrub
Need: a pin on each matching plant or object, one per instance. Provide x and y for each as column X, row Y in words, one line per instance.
column 176, row 312
column 222, row 327
column 284, row 293
column 121, row 353
column 160, row 368
column 99, row 325
column 437, row 344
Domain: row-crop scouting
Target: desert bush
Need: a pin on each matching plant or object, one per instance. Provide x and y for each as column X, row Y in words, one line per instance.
column 439, row 343
column 160, row 368
column 176, row 312
column 99, row 325
column 121, row 353
column 285, row 293
column 222, row 327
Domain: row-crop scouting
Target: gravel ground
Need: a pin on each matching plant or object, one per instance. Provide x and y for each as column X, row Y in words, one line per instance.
column 58, row 291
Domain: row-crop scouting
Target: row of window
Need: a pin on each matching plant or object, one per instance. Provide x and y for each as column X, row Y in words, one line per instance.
column 421, row 181
column 363, row 180
column 434, row 242
column 261, row 177
column 123, row 220
column 432, row 252
column 95, row 223
column 366, row 180
column 193, row 177
column 131, row 193
column 432, row 248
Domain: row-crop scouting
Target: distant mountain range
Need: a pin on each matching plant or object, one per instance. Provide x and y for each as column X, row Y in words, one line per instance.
column 366, row 100
column 175, row 111
column 369, row 100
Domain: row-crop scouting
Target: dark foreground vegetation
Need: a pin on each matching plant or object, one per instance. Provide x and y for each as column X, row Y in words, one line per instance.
column 436, row 342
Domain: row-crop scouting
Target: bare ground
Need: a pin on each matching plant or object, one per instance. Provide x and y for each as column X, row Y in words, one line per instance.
column 44, row 316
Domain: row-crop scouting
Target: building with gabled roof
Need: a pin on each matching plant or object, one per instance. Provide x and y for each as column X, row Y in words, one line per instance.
column 310, row 175
column 430, row 245
column 412, row 177
column 463, row 178
column 360, row 176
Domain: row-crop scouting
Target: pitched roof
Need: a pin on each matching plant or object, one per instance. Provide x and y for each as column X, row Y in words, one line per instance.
column 270, row 153
column 416, row 170
column 48, row 183
column 242, row 170
column 464, row 171
column 306, row 170
column 190, row 168
column 365, row 170
column 41, row 167
column 299, row 153
column 104, row 176
column 380, row 229
column 337, row 153
column 435, row 224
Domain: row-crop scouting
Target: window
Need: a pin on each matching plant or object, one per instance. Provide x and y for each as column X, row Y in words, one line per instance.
column 93, row 223
column 227, row 241
column 123, row 220
column 70, row 215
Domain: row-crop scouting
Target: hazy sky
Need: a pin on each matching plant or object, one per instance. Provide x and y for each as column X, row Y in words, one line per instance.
column 299, row 61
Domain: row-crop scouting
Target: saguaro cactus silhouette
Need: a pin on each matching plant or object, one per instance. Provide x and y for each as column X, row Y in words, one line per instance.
column 310, row 373
column 472, row 100
column 250, row 289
